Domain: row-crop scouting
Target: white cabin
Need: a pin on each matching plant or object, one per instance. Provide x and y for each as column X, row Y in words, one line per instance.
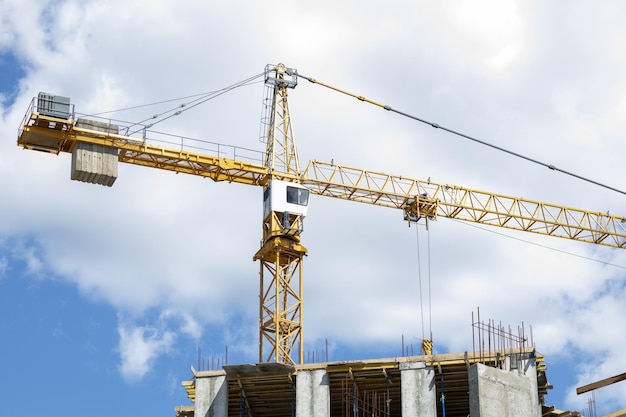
column 285, row 197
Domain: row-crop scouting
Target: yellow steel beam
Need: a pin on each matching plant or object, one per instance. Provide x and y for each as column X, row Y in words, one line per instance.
column 416, row 197
column 461, row 203
column 53, row 135
column 280, row 312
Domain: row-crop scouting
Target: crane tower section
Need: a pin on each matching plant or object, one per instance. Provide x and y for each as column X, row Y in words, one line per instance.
column 281, row 152
column 284, row 208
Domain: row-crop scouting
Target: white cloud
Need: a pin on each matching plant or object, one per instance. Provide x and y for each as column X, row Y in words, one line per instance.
column 4, row 266
column 140, row 346
column 540, row 79
column 30, row 255
column 189, row 325
column 496, row 31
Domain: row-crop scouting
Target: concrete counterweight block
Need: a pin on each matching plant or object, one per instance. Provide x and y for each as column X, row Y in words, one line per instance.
column 95, row 164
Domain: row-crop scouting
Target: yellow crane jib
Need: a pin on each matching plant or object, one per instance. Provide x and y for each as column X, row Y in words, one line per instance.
column 430, row 200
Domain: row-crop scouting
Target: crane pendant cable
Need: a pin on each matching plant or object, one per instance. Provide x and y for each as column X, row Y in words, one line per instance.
column 482, row 142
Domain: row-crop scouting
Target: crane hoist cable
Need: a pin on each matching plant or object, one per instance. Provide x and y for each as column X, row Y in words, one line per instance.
column 419, row 278
column 427, row 343
column 463, row 135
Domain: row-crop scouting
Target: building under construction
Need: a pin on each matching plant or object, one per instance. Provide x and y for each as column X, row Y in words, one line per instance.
column 502, row 376
column 500, row 384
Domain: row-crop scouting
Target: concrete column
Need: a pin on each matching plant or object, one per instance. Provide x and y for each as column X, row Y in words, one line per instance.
column 530, row 370
column 419, row 396
column 497, row 393
column 211, row 396
column 312, row 393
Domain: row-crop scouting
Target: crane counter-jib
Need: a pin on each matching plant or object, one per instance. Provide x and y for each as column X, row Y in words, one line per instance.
column 49, row 133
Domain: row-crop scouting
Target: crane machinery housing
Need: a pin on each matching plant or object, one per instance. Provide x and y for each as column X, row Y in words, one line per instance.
column 51, row 125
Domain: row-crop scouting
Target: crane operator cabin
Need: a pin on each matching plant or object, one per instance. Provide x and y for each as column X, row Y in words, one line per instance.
column 288, row 198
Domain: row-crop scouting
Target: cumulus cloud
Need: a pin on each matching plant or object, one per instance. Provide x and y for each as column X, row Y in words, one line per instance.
column 4, row 265
column 140, row 346
column 29, row 253
column 145, row 337
column 523, row 77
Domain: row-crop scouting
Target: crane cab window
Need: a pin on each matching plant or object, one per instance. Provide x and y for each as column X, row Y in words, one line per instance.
column 298, row 196
column 284, row 196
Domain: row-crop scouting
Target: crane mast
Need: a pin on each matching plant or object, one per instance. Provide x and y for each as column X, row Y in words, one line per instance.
column 281, row 254
column 281, row 154
column 50, row 125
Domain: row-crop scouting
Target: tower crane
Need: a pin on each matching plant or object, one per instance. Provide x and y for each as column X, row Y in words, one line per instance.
column 51, row 125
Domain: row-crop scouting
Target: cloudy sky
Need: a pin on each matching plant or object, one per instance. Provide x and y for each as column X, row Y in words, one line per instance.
column 106, row 294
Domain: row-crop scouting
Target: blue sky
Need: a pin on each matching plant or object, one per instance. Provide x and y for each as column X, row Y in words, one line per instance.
column 65, row 344
column 11, row 71
column 107, row 293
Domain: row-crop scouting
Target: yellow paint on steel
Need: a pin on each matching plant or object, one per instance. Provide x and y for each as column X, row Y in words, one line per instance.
column 462, row 203
column 52, row 135
column 360, row 98
column 348, row 183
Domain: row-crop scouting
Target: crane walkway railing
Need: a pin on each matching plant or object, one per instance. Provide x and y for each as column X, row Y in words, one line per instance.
column 130, row 132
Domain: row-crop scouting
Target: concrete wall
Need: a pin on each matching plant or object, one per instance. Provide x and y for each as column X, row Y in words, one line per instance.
column 498, row 393
column 312, row 393
column 419, row 395
column 211, row 397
